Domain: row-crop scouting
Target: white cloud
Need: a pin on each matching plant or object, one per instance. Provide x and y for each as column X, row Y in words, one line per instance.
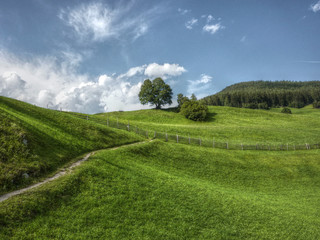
column 205, row 78
column 47, row 82
column 200, row 87
column 183, row 11
column 315, row 7
column 210, row 18
column 163, row 71
column 191, row 23
column 11, row 84
column 98, row 22
column 243, row 39
column 213, row 28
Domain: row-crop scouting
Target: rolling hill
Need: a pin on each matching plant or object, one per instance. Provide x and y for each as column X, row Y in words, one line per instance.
column 36, row 141
column 160, row 190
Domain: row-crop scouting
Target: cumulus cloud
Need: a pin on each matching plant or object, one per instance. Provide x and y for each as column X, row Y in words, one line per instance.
column 191, row 23
column 98, row 22
column 164, row 71
column 315, row 7
column 200, row 87
column 213, row 28
column 11, row 84
column 53, row 82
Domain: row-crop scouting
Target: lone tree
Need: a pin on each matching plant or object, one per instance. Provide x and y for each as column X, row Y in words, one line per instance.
column 155, row 92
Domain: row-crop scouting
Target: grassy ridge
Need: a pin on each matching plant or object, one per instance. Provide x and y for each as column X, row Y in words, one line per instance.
column 36, row 141
column 235, row 125
column 165, row 191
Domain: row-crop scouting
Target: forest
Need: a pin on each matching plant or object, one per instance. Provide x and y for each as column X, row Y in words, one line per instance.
column 267, row 94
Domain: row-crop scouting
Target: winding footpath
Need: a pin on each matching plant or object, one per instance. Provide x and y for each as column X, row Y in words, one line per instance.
column 64, row 171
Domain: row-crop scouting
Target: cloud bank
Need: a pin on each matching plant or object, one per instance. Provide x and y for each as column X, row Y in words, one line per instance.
column 53, row 82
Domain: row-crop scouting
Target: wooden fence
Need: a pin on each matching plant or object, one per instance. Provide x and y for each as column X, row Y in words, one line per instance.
column 197, row 141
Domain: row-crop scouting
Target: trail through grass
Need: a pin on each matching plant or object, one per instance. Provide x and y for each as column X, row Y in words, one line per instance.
column 169, row 191
column 35, row 141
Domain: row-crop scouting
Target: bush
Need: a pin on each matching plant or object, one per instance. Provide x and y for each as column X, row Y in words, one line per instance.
column 316, row 104
column 286, row 110
column 194, row 110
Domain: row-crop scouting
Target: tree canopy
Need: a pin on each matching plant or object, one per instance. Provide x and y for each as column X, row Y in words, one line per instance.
column 155, row 92
column 266, row 94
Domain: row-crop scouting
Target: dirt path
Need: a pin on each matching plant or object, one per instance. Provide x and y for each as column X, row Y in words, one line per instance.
column 59, row 174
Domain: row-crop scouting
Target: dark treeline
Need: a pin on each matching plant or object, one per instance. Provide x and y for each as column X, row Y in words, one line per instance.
column 267, row 94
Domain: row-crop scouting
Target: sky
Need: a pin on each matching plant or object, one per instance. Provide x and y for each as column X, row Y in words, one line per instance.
column 93, row 56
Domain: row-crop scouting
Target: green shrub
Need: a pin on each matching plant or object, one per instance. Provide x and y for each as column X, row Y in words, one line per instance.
column 286, row 110
column 316, row 104
column 194, row 110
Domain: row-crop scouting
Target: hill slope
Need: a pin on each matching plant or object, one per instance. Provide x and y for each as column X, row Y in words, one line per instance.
column 165, row 191
column 266, row 94
column 36, row 141
column 233, row 125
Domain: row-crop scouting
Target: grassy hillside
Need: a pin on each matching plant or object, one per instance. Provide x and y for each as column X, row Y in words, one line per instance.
column 36, row 141
column 169, row 191
column 233, row 125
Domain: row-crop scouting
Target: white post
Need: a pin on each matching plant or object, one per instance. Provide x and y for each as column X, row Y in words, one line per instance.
column 166, row 137
column 200, row 141
column 177, row 138
column 227, row 145
column 87, row 118
column 128, row 126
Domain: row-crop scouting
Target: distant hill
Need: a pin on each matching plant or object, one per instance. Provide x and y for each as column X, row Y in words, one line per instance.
column 266, row 94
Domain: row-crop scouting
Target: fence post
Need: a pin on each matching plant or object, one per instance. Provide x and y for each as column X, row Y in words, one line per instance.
column 189, row 138
column 241, row 146
column 108, row 121
column 177, row 138
column 213, row 143
column 155, row 134
column 227, row 145
column 166, row 137
column 200, row 141
column 307, row 146
column 294, row 147
column 117, row 122
column 147, row 135
column 87, row 118
column 128, row 126
column 287, row 147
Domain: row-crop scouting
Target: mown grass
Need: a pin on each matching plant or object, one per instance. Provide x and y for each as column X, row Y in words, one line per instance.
column 234, row 125
column 170, row 191
column 36, row 141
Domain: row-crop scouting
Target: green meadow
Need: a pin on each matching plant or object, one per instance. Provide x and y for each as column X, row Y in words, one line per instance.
column 228, row 124
column 160, row 190
column 157, row 189
column 37, row 141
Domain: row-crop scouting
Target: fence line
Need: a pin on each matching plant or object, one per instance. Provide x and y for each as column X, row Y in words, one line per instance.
column 197, row 141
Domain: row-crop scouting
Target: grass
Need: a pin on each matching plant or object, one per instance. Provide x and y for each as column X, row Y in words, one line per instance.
column 234, row 125
column 37, row 141
column 170, row 191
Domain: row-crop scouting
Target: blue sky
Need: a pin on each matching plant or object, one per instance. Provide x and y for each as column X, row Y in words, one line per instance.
column 92, row 56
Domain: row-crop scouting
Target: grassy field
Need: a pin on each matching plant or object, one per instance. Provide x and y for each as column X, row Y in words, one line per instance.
column 34, row 141
column 234, row 125
column 169, row 191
